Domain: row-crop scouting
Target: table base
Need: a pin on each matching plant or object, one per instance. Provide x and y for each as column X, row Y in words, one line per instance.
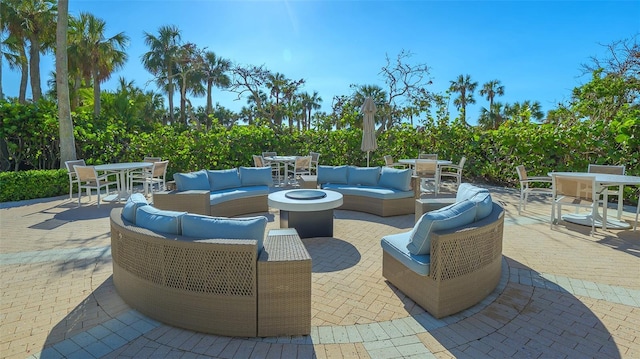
column 308, row 224
column 586, row 219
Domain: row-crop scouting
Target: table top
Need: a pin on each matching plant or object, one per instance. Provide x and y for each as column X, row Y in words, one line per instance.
column 123, row 166
column 281, row 158
column 603, row 178
column 412, row 161
column 280, row 201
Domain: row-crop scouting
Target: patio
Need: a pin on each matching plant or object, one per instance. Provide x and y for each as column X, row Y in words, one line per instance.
column 562, row 294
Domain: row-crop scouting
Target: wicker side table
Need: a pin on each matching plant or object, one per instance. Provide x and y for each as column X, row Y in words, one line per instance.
column 284, row 285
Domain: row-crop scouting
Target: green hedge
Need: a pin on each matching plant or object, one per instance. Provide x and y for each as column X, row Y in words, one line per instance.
column 22, row 185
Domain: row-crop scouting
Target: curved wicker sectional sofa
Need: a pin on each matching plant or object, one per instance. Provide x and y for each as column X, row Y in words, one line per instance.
column 452, row 259
column 218, row 286
column 381, row 191
column 226, row 193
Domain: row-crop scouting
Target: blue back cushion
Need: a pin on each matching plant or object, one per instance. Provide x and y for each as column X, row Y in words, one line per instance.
column 363, row 176
column 484, row 205
column 223, row 179
column 455, row 215
column 192, row 180
column 159, row 220
column 134, row 201
column 395, row 178
column 256, row 176
column 194, row 225
column 467, row 190
column 332, row 174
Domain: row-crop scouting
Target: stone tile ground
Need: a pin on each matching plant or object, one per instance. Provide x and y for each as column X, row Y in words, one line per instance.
column 563, row 293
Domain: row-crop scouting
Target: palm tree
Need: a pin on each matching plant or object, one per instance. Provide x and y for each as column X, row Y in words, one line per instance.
column 492, row 119
column 188, row 69
column 214, row 71
column 161, row 57
column 524, row 112
column 490, row 90
column 30, row 20
column 104, row 55
column 67, row 141
column 310, row 102
column 16, row 43
column 465, row 88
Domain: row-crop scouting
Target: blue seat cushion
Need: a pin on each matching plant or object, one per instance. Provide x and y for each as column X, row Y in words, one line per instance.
column 454, row 215
column 364, row 176
column 223, row 179
column 332, row 174
column 192, row 181
column 205, row 227
column 159, row 220
column 396, row 246
column 256, row 176
column 134, row 201
column 368, row 191
column 395, row 178
column 225, row 195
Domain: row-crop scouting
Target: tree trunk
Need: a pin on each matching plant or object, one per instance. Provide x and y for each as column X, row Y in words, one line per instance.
column 67, row 141
column 96, row 90
column 209, row 99
column 34, row 67
column 169, row 94
column 24, row 76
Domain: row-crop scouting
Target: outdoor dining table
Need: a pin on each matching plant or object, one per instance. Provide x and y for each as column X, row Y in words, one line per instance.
column 284, row 161
column 122, row 169
column 602, row 180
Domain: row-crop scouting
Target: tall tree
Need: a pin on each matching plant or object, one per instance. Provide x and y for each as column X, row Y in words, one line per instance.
column 67, row 141
column 214, row 70
column 490, row 90
column 101, row 55
column 16, row 42
column 465, row 87
column 310, row 102
column 35, row 18
column 404, row 81
column 161, row 57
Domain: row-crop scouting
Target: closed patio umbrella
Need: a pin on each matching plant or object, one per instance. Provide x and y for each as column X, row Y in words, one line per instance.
column 369, row 142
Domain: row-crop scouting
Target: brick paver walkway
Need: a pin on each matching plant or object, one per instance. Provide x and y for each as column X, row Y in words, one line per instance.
column 563, row 293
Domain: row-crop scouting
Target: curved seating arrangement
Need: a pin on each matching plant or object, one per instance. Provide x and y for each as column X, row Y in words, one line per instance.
column 451, row 260
column 381, row 191
column 226, row 193
column 233, row 285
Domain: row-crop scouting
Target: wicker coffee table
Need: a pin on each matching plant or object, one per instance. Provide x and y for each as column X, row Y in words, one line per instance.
column 310, row 212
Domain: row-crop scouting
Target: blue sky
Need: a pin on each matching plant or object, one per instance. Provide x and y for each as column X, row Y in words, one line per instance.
column 535, row 48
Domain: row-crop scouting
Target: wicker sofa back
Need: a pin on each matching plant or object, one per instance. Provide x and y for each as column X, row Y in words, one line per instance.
column 465, row 266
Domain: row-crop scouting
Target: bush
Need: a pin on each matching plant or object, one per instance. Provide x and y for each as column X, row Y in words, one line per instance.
column 18, row 186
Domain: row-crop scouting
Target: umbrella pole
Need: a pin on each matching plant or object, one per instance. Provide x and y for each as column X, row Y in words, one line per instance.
column 367, row 158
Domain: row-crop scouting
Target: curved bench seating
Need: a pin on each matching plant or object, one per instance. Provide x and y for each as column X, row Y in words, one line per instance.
column 219, row 286
column 380, row 191
column 224, row 193
column 457, row 265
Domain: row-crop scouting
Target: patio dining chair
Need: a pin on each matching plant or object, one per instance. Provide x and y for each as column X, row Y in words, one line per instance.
column 301, row 166
column 156, row 175
column 72, row 173
column 428, row 156
column 525, row 190
column 609, row 191
column 453, row 171
column 427, row 170
column 259, row 161
column 388, row 161
column 315, row 158
column 140, row 174
column 88, row 179
column 577, row 191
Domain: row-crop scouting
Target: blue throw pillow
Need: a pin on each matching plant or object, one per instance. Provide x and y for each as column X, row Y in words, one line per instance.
column 159, row 220
column 134, row 201
column 455, row 215
column 484, row 205
column 192, row 181
column 332, row 174
column 204, row 227
column 467, row 190
column 256, row 176
column 395, row 178
column 224, row 179
column 363, row 176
